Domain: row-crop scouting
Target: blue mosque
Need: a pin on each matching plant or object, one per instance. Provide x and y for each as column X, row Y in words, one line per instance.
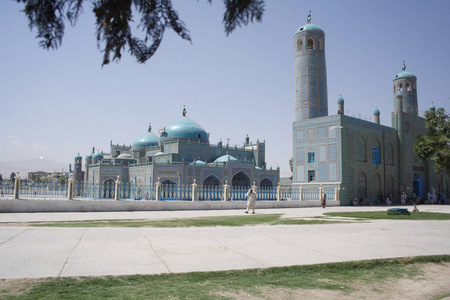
column 347, row 158
column 180, row 155
column 360, row 159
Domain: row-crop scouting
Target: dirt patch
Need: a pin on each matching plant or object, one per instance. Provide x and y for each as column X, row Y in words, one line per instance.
column 432, row 283
column 16, row 287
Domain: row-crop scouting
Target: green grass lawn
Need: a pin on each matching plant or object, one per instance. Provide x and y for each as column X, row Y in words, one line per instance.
column 383, row 215
column 206, row 285
column 247, row 220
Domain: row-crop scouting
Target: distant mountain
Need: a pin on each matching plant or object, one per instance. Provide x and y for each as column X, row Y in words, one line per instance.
column 31, row 165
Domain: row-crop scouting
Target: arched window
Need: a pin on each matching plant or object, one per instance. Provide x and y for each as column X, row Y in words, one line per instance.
column 321, row 44
column 240, row 179
column 376, row 153
column 362, row 185
column 299, row 45
column 408, row 87
column 211, row 181
column 400, row 87
column 266, row 183
column 362, row 149
column 310, row 43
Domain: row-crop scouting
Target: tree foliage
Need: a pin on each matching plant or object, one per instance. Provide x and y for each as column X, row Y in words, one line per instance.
column 12, row 176
column 435, row 145
column 113, row 19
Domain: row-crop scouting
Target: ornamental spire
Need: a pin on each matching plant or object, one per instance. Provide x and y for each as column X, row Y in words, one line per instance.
column 149, row 127
column 308, row 19
column 184, row 111
column 404, row 66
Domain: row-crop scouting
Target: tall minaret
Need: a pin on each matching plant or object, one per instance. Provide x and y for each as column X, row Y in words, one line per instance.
column 405, row 83
column 311, row 100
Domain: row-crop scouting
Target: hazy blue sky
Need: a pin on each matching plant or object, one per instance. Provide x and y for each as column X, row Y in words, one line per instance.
column 58, row 103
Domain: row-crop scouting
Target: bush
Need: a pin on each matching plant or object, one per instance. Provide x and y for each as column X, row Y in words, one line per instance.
column 398, row 211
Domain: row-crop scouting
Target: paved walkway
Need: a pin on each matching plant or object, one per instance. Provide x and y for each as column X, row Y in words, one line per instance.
column 31, row 252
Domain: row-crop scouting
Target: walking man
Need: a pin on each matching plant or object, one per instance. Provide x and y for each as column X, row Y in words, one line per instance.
column 251, row 199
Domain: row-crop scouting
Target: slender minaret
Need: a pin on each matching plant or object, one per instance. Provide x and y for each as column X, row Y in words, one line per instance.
column 406, row 84
column 311, row 100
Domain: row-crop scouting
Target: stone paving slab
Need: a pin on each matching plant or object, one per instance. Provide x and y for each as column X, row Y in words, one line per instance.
column 33, row 252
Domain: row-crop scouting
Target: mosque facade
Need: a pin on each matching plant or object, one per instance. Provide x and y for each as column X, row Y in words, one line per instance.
column 181, row 155
column 361, row 159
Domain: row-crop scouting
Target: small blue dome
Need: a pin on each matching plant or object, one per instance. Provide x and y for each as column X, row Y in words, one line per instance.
column 124, row 156
column 198, row 162
column 185, row 128
column 98, row 155
column 225, row 158
column 404, row 74
column 89, row 156
column 376, row 112
column 147, row 140
column 432, row 106
column 78, row 156
column 340, row 100
column 399, row 94
column 309, row 27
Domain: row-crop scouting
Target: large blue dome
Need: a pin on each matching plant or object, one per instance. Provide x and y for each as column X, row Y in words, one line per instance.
column 185, row 128
column 147, row 140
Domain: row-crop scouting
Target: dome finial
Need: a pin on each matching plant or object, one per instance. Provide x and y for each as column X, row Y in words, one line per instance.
column 404, row 66
column 150, row 127
column 184, row 111
column 308, row 19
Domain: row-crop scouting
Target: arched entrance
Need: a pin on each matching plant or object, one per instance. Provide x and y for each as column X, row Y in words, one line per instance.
column 211, row 181
column 376, row 189
column 417, row 185
column 108, row 188
column 168, row 190
column 362, row 186
column 266, row 183
column 240, row 179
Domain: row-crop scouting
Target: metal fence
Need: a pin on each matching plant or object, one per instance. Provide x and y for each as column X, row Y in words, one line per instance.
column 167, row 192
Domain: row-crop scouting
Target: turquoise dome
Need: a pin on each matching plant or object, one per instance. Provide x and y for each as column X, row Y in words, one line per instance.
column 89, row 155
column 78, row 156
column 340, row 100
column 185, row 128
column 404, row 74
column 376, row 112
column 309, row 27
column 225, row 158
column 147, row 140
column 98, row 155
column 432, row 106
column 399, row 94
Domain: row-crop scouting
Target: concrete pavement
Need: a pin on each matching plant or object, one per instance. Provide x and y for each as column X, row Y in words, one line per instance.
column 32, row 252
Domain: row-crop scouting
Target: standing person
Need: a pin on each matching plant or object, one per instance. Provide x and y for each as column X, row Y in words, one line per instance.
column 403, row 198
column 251, row 199
column 323, row 200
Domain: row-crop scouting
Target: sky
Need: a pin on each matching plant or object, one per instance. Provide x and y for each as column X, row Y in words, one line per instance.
column 58, row 103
